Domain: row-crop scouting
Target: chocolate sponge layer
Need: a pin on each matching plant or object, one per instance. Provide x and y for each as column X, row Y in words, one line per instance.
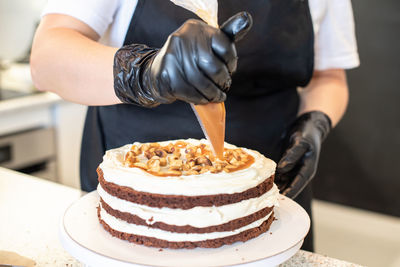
column 180, row 201
column 228, row 226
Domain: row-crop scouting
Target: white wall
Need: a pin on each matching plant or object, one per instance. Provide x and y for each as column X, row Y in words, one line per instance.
column 68, row 120
column 18, row 20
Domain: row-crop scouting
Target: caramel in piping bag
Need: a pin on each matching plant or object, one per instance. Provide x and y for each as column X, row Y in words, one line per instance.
column 212, row 121
column 210, row 116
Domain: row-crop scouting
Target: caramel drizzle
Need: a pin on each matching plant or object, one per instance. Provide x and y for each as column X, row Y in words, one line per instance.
column 169, row 161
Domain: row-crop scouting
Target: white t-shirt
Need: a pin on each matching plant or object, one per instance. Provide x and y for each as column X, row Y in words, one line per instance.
column 335, row 42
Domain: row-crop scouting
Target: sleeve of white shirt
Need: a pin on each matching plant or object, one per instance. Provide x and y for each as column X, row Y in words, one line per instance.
column 335, row 40
column 98, row 14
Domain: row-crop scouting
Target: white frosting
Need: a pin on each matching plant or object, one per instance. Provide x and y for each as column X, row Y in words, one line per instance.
column 125, row 227
column 192, row 185
column 197, row 216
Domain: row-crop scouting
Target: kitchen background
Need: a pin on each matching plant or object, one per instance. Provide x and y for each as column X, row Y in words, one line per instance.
column 357, row 206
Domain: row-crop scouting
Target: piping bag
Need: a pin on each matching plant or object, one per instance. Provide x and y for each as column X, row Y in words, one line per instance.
column 210, row 116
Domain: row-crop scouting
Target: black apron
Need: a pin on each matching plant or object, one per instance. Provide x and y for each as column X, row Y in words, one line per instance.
column 275, row 57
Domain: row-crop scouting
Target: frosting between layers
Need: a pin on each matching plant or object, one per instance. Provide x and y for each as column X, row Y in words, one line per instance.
column 192, row 185
column 122, row 226
column 197, row 216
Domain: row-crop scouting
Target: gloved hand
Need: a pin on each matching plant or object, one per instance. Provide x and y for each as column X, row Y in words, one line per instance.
column 194, row 65
column 299, row 162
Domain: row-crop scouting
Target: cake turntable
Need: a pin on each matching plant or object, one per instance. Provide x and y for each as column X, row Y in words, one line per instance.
column 85, row 239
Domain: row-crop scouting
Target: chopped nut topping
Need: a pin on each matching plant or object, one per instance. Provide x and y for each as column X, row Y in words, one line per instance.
column 177, row 154
column 181, row 158
column 229, row 168
column 140, row 165
column 169, row 148
column 197, row 168
column 154, row 165
column 148, row 154
column 161, row 153
column 234, row 162
column 176, row 163
column 203, row 160
column 172, row 173
column 163, row 162
column 191, row 172
column 136, row 150
column 186, row 167
column 130, row 158
column 154, row 161
column 204, row 169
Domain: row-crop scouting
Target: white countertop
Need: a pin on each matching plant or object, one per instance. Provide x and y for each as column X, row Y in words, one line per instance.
column 31, row 209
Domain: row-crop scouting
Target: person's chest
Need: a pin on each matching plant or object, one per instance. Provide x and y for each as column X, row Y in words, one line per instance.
column 127, row 10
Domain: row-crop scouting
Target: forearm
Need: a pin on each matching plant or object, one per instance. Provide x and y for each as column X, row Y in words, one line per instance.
column 326, row 92
column 74, row 66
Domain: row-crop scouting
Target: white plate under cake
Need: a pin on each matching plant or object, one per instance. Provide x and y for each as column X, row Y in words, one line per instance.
column 176, row 194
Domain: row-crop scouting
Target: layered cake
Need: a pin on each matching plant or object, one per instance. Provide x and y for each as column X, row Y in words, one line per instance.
column 176, row 194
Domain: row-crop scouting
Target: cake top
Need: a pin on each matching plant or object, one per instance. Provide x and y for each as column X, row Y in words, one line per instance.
column 182, row 158
column 116, row 162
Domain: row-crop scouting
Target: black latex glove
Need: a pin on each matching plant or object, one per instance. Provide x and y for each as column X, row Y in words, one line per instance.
column 194, row 65
column 299, row 162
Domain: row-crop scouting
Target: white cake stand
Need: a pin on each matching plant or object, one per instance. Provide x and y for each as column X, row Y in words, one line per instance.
column 84, row 238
